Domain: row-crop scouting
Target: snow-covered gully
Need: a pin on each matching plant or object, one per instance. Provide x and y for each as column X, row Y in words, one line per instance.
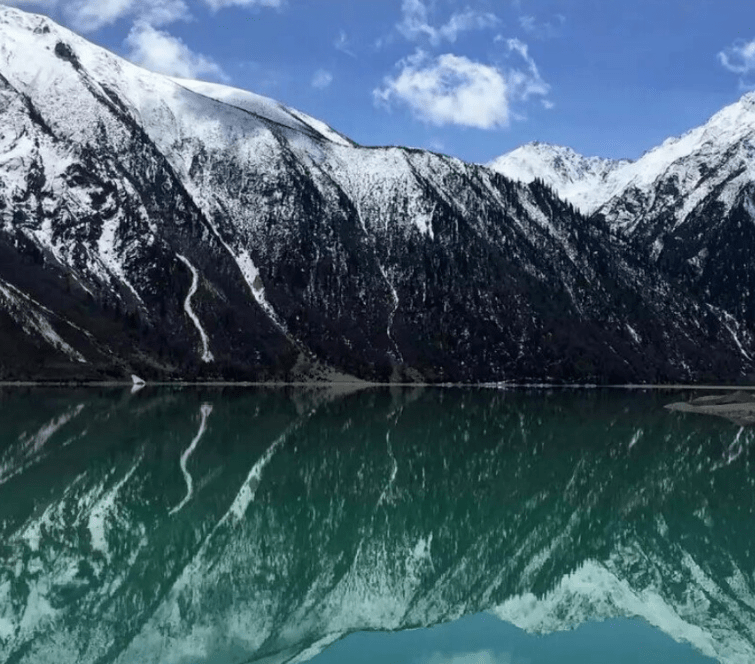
column 392, row 315
column 206, row 354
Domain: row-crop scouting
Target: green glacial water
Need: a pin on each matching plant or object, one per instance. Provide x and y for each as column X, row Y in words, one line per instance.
column 426, row 526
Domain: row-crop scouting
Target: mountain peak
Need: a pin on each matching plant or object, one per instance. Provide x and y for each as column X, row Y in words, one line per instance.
column 37, row 24
column 574, row 176
column 590, row 183
column 26, row 39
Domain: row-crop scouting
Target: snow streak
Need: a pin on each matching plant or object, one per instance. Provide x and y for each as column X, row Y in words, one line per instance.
column 206, row 354
column 106, row 246
column 253, row 280
column 732, row 332
column 17, row 305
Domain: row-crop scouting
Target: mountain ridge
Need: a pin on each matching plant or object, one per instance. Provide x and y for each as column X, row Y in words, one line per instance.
column 729, row 125
column 129, row 199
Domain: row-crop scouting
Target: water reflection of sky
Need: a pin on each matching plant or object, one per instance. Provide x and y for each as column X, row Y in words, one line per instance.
column 484, row 639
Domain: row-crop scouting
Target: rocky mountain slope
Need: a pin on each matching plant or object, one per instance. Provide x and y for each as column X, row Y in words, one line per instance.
column 185, row 230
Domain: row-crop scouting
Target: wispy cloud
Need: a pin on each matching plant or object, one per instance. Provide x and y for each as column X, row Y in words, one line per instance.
column 739, row 58
column 148, row 45
column 161, row 52
column 436, row 145
column 542, row 29
column 479, row 657
column 416, row 23
column 343, row 44
column 449, row 89
column 21, row 3
column 321, row 79
column 528, row 82
column 91, row 15
column 219, row 4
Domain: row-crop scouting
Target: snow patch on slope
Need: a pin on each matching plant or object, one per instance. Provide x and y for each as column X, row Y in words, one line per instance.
column 375, row 179
column 254, row 281
column 107, row 247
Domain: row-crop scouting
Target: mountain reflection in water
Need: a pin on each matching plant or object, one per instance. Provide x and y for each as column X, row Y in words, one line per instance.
column 231, row 525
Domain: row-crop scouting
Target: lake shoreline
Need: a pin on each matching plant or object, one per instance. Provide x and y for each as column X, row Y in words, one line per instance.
column 368, row 384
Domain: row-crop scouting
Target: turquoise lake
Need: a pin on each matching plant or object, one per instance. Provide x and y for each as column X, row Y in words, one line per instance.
column 333, row 525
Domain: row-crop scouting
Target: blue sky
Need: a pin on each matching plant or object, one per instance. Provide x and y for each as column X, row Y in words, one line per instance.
column 472, row 78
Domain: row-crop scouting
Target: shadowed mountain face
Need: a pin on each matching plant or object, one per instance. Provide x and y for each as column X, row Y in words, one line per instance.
column 181, row 230
column 222, row 526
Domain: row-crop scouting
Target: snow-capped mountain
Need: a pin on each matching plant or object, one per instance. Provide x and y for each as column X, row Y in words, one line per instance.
column 177, row 229
column 688, row 205
column 697, row 163
column 577, row 179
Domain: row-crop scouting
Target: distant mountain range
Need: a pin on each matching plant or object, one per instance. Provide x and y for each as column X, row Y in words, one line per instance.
column 181, row 230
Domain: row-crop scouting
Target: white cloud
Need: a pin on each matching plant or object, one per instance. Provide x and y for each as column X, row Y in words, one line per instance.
column 415, row 23
column 322, row 79
column 739, row 58
column 161, row 52
column 450, row 89
column 91, row 15
column 480, row 657
column 163, row 12
column 21, row 3
column 220, row 4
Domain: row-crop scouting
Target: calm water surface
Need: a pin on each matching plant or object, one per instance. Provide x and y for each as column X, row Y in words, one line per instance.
column 426, row 526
